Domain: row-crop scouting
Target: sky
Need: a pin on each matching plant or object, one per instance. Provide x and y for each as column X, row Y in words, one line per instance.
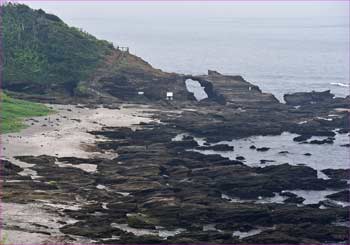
column 270, row 9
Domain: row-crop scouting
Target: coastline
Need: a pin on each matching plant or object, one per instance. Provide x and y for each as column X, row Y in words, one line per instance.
column 92, row 166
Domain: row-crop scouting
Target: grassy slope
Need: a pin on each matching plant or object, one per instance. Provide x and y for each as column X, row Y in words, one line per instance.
column 42, row 52
column 13, row 111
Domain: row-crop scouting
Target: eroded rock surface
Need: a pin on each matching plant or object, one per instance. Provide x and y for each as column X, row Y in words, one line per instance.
column 155, row 188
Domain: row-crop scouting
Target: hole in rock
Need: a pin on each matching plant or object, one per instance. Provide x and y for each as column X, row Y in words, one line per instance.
column 196, row 88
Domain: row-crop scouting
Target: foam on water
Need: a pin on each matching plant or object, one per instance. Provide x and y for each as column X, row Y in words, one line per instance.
column 340, row 84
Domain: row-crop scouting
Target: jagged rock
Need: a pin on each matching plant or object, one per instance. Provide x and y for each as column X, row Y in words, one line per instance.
column 343, row 196
column 263, row 149
column 330, row 204
column 213, row 73
column 141, row 221
column 219, row 147
column 321, row 142
column 306, row 233
column 9, row 168
column 294, row 200
column 263, row 161
column 337, row 173
column 302, row 98
column 343, row 131
column 302, row 138
column 288, row 194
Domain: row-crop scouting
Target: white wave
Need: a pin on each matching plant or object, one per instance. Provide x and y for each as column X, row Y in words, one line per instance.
column 340, row 84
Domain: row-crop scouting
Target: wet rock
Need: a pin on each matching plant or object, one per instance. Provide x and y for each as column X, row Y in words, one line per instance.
column 321, row 142
column 123, row 207
column 296, row 215
column 330, row 204
column 314, row 205
column 301, row 138
column 75, row 160
column 102, row 229
column 288, row 194
column 343, row 196
column 137, row 186
column 343, row 131
column 306, row 233
column 187, row 137
column 289, row 171
column 303, row 98
column 219, row 147
column 272, row 237
column 337, row 173
column 345, row 145
column 114, row 133
column 307, row 154
column 312, row 128
column 141, row 221
column 283, row 152
column 189, row 143
column 144, row 239
column 264, row 161
column 9, row 168
column 253, row 147
column 213, row 73
column 262, row 149
column 294, row 200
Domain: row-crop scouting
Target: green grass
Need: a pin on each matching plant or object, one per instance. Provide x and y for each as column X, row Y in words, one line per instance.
column 13, row 111
column 4, row 239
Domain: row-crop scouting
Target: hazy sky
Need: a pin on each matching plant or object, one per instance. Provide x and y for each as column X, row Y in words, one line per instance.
column 69, row 10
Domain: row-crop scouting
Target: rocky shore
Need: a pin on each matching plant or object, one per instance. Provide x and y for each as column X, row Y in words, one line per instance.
column 141, row 174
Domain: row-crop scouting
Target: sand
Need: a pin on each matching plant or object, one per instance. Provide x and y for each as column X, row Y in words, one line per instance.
column 62, row 134
column 65, row 133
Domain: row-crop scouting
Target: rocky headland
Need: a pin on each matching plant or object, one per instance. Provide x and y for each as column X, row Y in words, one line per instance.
column 121, row 163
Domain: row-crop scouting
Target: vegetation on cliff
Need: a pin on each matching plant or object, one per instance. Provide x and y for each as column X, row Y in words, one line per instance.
column 41, row 52
column 44, row 57
column 13, row 111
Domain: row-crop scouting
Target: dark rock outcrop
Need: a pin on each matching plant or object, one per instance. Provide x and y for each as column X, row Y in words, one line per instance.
column 304, row 98
column 219, row 147
column 337, row 173
column 343, row 196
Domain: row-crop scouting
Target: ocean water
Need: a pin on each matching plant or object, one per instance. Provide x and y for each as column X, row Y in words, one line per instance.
column 334, row 156
column 281, row 56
